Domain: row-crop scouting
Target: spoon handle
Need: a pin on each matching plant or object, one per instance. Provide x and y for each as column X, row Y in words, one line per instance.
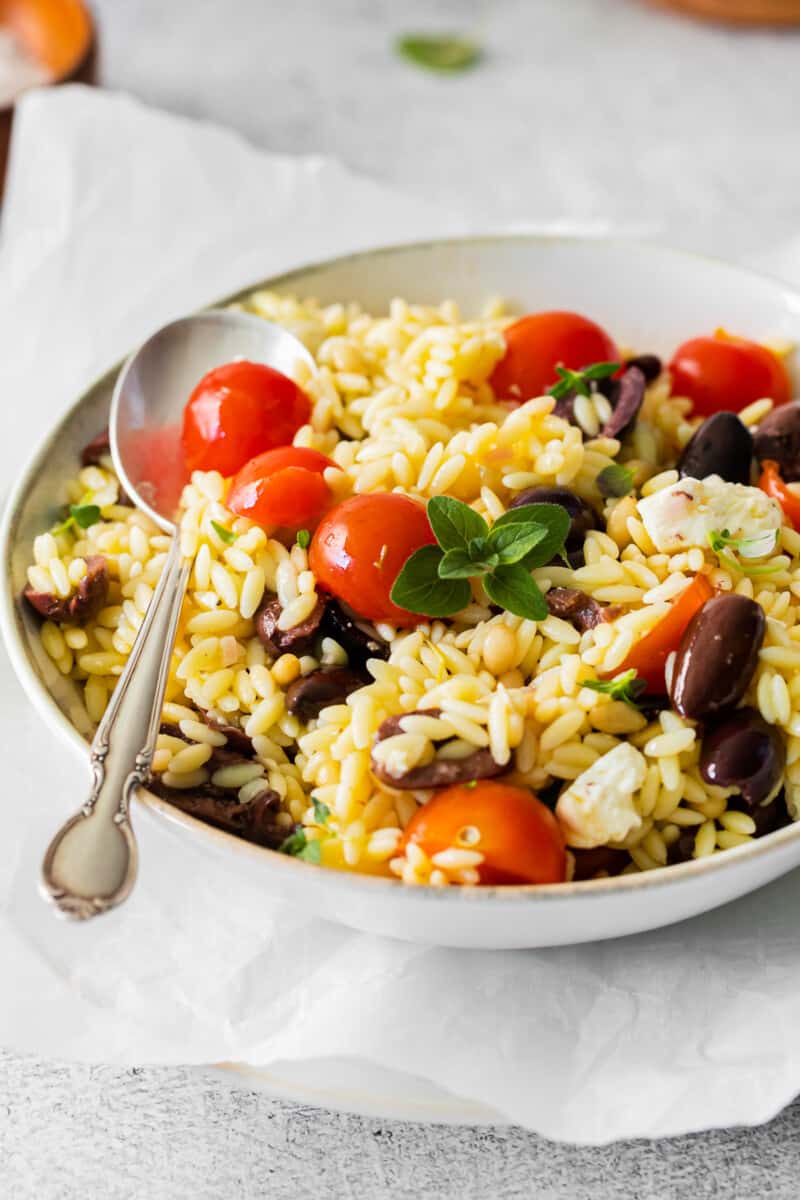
column 90, row 865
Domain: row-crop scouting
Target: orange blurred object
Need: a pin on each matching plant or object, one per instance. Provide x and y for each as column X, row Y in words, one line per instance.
column 56, row 35
column 740, row 12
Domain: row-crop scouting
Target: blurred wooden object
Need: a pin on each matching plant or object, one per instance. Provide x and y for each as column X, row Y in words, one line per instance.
column 740, row 12
column 59, row 34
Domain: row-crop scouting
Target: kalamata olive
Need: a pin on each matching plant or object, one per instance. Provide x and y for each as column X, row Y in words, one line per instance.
column 722, row 445
column 778, row 438
column 83, row 604
column 441, row 772
column 648, row 364
column 582, row 515
column 768, row 817
column 627, row 399
column 746, row 753
column 299, row 639
column 309, row 694
column 717, row 656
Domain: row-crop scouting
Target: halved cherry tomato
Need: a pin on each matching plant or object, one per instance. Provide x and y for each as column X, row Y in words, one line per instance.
column 238, row 411
column 648, row 657
column 282, row 487
column 540, row 342
column 518, row 836
column 360, row 547
column 723, row 373
column 771, row 483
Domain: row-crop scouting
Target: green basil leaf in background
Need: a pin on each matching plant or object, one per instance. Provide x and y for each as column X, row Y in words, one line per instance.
column 578, row 382
column 454, row 524
column 448, row 53
column 600, row 370
column 226, row 535
column 84, row 514
column 419, row 588
column 615, row 480
column 303, row 539
column 513, row 589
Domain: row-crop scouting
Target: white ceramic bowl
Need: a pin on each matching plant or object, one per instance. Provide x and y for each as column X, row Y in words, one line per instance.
column 650, row 298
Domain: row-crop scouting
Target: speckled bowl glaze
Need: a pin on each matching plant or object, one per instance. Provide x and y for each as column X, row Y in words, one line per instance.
column 652, row 298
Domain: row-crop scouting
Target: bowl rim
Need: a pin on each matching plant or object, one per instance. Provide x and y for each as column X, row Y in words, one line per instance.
column 209, row 836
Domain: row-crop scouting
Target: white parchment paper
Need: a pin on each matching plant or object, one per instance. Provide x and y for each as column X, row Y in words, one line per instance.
column 118, row 218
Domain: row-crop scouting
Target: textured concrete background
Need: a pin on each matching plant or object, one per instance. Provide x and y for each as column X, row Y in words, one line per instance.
column 588, row 110
column 96, row 1133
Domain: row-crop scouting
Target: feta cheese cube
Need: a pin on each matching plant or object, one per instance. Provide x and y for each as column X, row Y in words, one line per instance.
column 685, row 513
column 598, row 806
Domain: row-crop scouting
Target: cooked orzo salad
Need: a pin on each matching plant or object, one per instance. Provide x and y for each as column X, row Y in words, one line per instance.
column 479, row 601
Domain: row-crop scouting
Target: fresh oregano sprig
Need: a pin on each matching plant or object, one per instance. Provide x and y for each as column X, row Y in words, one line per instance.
column 434, row 581
column 579, row 382
column 720, row 541
column 626, row 687
column 443, row 52
column 80, row 516
column 225, row 535
column 297, row 845
column 615, row 480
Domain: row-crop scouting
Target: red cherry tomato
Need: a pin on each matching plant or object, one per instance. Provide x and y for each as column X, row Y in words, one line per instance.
column 540, row 342
column 282, row 487
column 237, row 411
column 648, row 657
column 772, row 483
column 518, row 836
column 727, row 373
column 360, row 547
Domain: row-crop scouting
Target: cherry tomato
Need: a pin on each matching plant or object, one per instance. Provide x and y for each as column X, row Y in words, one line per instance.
column 282, row 487
column 727, row 373
column 540, row 342
column 648, row 657
column 518, row 836
column 360, row 547
column 238, row 411
column 771, row 483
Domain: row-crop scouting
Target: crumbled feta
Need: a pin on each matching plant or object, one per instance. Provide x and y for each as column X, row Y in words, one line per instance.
column 598, row 806
column 685, row 513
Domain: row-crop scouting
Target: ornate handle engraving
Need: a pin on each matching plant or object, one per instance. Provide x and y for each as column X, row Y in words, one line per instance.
column 90, row 865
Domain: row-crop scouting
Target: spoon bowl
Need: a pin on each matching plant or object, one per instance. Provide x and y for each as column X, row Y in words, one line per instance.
column 157, row 380
column 90, row 865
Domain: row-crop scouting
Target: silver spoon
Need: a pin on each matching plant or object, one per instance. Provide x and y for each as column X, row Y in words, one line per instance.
column 90, row 865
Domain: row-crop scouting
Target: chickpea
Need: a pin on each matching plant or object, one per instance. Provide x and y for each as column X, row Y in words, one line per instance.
column 500, row 650
column 617, row 520
column 286, row 669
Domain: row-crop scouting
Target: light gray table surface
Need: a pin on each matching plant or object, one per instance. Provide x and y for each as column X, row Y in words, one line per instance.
column 587, row 111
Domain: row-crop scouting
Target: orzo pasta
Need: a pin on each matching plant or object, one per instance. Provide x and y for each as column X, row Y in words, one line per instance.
column 506, row 609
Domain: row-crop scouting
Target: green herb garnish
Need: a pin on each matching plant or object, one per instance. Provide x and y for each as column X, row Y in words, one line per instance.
column 321, row 811
column 615, row 480
column 297, row 845
column 579, row 382
column 721, row 541
column 303, row 539
column 225, row 535
column 434, row 580
column 625, row 687
column 81, row 515
column 448, row 53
